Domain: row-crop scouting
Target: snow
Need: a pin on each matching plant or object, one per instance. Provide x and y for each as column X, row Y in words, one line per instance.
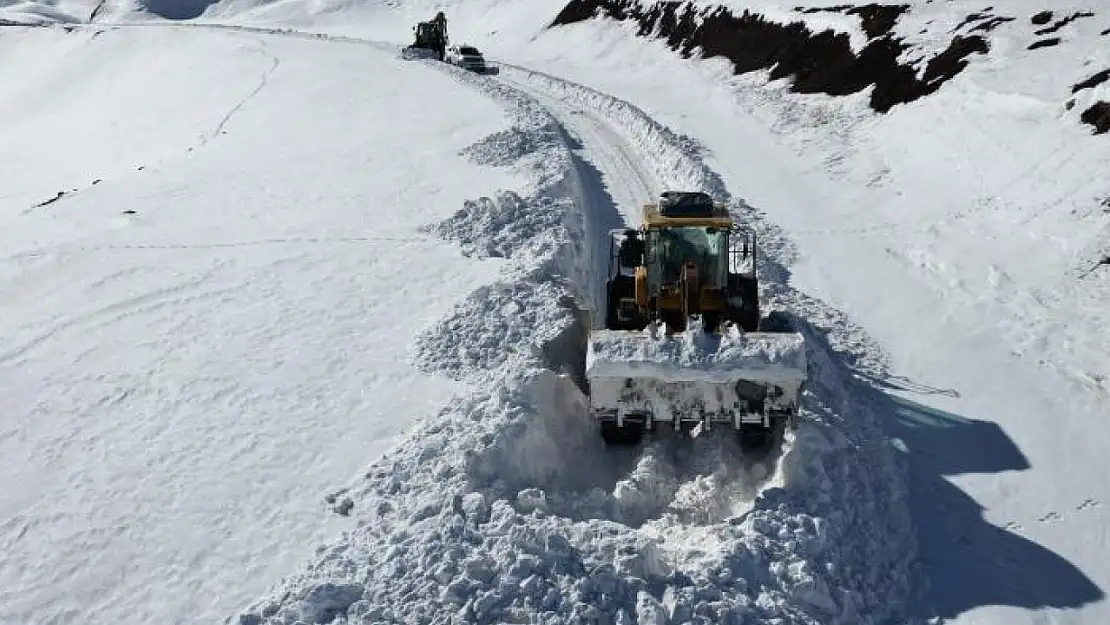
column 190, row 387
column 694, row 356
column 685, row 375
column 193, row 355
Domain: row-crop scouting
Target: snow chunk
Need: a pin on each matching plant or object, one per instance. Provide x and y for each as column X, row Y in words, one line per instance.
column 504, row 226
column 322, row 603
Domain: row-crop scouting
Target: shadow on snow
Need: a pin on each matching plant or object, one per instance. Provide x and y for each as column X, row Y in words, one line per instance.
column 968, row 562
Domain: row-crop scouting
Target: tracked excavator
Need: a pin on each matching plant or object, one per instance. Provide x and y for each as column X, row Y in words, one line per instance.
column 684, row 345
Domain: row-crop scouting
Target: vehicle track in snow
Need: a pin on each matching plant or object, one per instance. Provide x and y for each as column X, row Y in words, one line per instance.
column 621, row 171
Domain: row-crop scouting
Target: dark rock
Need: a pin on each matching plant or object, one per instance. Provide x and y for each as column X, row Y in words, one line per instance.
column 1044, row 43
column 1094, row 81
column 1064, row 22
column 821, row 62
column 1098, row 115
column 879, row 19
column 50, row 201
column 992, row 23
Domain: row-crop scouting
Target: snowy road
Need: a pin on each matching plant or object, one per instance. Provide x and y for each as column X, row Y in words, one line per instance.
column 621, row 169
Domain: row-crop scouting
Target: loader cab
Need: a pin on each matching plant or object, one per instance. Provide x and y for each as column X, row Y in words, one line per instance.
column 683, row 262
column 671, row 248
column 686, row 228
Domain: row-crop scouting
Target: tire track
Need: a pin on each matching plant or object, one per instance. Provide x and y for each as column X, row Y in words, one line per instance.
column 262, row 80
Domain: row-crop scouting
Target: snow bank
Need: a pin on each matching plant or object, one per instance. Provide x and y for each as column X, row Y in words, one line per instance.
column 696, row 356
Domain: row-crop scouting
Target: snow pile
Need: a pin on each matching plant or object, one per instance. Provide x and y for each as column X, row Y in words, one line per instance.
column 695, row 355
column 496, row 227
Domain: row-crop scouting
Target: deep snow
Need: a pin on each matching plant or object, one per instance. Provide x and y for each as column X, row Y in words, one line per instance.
column 950, row 256
column 856, row 192
column 210, row 332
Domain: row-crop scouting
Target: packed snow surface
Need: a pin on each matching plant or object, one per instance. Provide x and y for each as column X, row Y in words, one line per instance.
column 697, row 356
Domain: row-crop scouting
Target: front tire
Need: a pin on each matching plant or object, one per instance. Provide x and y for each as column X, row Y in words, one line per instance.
column 629, row 434
column 747, row 315
column 758, row 442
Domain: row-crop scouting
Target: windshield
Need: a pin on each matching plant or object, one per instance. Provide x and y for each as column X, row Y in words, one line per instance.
column 670, row 248
column 470, row 51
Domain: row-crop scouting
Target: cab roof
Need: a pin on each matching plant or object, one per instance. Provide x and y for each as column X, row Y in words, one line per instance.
column 715, row 215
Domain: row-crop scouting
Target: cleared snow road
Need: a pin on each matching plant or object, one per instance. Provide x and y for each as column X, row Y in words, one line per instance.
column 619, row 166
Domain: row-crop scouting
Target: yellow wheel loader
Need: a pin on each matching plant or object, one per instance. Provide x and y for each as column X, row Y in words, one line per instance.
column 684, row 344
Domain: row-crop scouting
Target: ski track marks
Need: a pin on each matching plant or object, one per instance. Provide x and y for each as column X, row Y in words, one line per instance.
column 507, row 507
column 274, row 62
column 220, row 128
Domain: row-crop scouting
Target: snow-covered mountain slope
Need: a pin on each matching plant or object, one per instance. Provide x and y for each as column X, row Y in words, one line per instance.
column 942, row 251
column 964, row 230
column 208, row 331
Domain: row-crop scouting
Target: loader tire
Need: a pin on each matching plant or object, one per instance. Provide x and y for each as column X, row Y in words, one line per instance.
column 758, row 442
column 618, row 288
column 747, row 315
column 777, row 321
column 629, row 434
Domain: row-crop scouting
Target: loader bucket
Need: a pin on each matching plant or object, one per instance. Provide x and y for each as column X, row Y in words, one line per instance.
column 412, row 53
column 747, row 381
